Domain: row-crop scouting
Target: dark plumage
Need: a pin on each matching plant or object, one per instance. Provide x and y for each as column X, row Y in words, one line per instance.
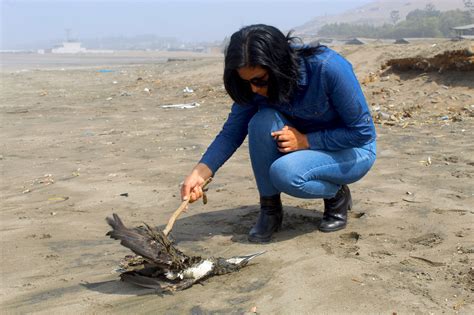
column 164, row 267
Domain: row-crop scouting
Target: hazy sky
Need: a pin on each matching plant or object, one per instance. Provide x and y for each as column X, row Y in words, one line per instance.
column 30, row 21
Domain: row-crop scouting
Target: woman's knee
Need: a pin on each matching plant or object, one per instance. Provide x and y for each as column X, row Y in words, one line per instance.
column 265, row 121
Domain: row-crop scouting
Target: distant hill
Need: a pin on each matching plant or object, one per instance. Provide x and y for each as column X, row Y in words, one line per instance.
column 376, row 13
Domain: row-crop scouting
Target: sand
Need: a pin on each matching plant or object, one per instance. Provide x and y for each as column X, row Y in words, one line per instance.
column 78, row 144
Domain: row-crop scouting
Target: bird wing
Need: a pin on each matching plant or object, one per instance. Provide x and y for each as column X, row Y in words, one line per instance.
column 149, row 243
column 157, row 284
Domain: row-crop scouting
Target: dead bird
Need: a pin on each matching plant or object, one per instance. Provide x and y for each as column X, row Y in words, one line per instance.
column 162, row 266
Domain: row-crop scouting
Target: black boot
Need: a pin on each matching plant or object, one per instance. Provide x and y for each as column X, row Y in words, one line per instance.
column 335, row 211
column 269, row 220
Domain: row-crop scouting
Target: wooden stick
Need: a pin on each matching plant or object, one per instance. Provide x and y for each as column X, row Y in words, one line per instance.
column 181, row 208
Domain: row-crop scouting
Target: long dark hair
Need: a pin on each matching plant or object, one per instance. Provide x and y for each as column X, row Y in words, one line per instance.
column 265, row 46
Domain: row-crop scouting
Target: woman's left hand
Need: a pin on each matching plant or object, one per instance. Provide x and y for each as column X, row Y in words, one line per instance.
column 289, row 139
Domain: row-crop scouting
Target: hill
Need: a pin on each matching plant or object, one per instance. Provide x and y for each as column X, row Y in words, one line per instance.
column 376, row 13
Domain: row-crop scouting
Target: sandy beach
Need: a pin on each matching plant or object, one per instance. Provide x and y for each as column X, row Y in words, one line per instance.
column 80, row 140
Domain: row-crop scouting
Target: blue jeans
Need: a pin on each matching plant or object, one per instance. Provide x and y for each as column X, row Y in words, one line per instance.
column 303, row 173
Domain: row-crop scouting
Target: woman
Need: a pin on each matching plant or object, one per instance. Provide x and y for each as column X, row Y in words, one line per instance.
column 310, row 130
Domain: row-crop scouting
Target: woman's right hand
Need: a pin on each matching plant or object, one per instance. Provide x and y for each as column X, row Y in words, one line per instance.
column 192, row 185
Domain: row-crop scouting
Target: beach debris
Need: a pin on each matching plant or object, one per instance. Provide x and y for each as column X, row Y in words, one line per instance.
column 108, row 99
column 124, row 194
column 188, row 90
column 20, row 111
column 383, row 116
column 463, row 250
column 114, row 82
column 358, row 281
column 58, row 198
column 461, row 233
column 47, row 179
column 163, row 267
column 372, row 77
column 413, row 199
column 458, row 305
column 426, row 162
column 147, row 90
column 125, row 93
column 430, row 262
column 182, row 106
column 105, row 70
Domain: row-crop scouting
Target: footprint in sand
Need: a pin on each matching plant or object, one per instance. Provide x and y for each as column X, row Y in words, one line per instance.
column 429, row 240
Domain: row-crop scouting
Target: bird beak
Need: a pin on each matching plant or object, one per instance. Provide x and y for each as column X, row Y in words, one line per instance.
column 243, row 260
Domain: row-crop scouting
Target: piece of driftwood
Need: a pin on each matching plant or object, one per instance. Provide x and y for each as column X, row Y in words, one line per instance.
column 183, row 206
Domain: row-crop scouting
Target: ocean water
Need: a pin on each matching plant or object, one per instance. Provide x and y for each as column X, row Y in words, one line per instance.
column 33, row 61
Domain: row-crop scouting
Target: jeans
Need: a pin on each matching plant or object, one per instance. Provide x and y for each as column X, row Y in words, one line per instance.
column 303, row 173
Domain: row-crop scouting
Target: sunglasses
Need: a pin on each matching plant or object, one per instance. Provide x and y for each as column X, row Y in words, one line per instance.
column 259, row 82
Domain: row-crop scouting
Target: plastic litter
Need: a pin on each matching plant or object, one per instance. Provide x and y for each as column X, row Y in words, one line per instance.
column 182, row 106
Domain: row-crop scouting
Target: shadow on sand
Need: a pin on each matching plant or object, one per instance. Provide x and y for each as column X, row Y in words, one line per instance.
column 237, row 222
column 118, row 287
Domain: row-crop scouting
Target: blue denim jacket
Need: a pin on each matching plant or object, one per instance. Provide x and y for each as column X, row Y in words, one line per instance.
column 329, row 107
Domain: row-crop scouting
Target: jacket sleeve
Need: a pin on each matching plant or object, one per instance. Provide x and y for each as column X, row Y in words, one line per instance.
column 231, row 136
column 345, row 94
